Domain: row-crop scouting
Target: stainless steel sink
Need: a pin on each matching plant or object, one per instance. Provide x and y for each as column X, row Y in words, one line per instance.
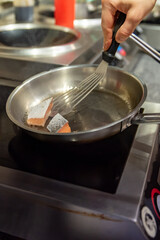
column 50, row 43
column 33, row 38
column 43, row 41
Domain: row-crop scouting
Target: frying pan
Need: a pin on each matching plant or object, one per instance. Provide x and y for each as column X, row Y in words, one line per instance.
column 110, row 108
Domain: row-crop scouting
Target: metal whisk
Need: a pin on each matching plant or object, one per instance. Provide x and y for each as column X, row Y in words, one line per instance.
column 64, row 103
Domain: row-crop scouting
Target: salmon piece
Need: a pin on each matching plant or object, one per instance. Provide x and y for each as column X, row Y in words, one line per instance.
column 39, row 114
column 65, row 129
column 59, row 124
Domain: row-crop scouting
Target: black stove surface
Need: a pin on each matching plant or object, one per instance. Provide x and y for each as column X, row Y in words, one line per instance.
column 97, row 165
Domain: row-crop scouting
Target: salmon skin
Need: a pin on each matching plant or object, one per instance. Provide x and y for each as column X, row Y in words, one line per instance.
column 38, row 115
column 59, row 124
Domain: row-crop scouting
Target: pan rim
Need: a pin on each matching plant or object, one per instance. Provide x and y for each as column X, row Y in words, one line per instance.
column 32, row 130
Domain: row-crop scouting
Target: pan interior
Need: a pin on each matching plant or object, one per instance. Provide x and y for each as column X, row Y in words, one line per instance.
column 112, row 101
column 99, row 109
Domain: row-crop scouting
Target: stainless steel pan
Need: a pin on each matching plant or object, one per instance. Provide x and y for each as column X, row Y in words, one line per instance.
column 109, row 109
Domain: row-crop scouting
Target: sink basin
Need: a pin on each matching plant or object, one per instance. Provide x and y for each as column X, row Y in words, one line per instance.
column 49, row 43
column 36, row 38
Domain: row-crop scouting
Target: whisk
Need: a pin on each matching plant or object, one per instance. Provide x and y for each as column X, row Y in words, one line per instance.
column 67, row 101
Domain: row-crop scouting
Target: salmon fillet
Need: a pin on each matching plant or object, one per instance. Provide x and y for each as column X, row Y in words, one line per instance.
column 39, row 114
column 59, row 124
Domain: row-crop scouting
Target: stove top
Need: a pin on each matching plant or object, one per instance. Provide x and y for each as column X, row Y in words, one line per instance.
column 109, row 183
column 95, row 165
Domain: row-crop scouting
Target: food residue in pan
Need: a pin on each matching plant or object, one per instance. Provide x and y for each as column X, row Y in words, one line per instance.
column 40, row 113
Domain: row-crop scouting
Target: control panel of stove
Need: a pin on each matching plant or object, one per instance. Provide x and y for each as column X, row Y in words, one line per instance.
column 155, row 197
column 149, row 222
column 150, row 211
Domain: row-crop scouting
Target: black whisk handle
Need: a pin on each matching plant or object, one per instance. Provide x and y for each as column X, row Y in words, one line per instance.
column 108, row 55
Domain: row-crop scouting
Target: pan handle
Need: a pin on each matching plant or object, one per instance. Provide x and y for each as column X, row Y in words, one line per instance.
column 146, row 118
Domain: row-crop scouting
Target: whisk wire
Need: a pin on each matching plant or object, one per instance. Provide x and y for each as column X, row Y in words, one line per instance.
column 68, row 100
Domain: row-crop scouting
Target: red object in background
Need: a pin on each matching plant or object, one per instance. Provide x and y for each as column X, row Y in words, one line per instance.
column 65, row 12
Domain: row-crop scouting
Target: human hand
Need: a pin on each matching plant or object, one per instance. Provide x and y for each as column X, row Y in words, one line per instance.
column 135, row 11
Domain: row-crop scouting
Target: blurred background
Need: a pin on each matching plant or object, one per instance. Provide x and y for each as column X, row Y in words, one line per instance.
column 37, row 39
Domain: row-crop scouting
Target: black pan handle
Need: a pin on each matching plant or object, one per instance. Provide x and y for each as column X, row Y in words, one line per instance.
column 108, row 55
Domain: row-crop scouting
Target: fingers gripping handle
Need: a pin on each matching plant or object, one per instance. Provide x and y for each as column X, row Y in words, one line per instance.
column 108, row 55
